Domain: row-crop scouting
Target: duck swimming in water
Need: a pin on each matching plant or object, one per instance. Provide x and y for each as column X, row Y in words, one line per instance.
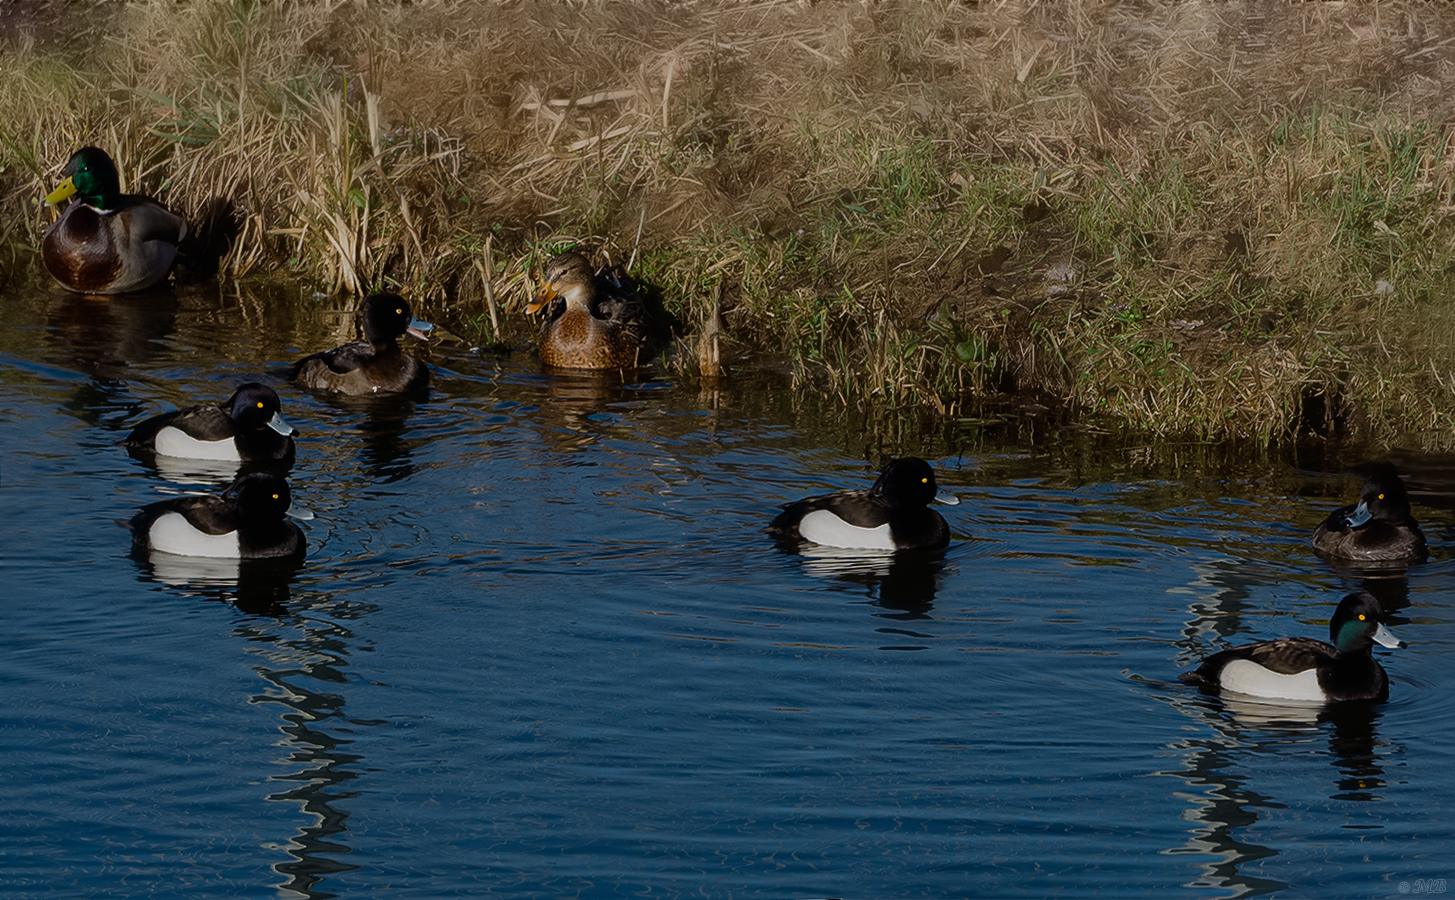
column 893, row 514
column 247, row 521
column 1379, row 528
column 593, row 320
column 374, row 365
column 1300, row 668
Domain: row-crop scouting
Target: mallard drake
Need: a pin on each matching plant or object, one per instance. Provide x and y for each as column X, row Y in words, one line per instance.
column 894, row 514
column 1300, row 668
column 107, row 242
column 593, row 321
column 247, row 521
column 246, row 427
column 1379, row 528
column 375, row 364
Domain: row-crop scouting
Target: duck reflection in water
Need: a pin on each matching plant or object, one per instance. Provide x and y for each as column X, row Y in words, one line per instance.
column 256, row 587
column 1222, row 803
column 302, row 659
column 903, row 583
column 382, row 421
column 577, row 399
column 294, row 649
column 1390, row 587
column 105, row 338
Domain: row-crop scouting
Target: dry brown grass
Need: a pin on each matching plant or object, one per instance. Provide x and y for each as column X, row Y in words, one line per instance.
column 1212, row 218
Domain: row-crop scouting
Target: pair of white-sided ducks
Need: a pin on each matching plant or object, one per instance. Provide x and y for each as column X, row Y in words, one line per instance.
column 249, row 519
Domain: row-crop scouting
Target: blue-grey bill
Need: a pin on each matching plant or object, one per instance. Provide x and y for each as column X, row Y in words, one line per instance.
column 1359, row 516
column 1386, row 638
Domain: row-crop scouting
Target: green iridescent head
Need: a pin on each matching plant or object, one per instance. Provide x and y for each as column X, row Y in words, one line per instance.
column 91, row 177
column 1358, row 622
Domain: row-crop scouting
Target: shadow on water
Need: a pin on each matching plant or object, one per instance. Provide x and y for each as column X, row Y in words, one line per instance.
column 256, row 587
column 902, row 585
column 104, row 337
column 212, row 473
column 1390, row 585
column 575, row 402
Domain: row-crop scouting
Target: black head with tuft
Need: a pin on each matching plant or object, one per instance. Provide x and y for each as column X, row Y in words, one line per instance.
column 907, row 482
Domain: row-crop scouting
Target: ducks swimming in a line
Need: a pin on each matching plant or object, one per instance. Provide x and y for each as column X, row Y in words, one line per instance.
column 107, row 242
column 593, row 320
column 893, row 514
column 374, row 365
column 1303, row 669
column 246, row 427
column 1379, row 528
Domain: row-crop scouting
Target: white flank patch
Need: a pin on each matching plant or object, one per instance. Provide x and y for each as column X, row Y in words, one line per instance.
column 175, row 442
column 172, row 533
column 823, row 527
column 1246, row 677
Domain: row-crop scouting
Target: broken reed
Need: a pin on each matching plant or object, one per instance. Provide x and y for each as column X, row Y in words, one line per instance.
column 1205, row 219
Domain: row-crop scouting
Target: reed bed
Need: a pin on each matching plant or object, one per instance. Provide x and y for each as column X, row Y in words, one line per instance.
column 1213, row 219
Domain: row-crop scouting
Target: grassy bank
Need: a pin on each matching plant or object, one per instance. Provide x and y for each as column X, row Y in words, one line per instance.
column 1210, row 219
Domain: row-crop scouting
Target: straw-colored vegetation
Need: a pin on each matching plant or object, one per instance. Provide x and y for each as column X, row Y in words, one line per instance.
column 1209, row 218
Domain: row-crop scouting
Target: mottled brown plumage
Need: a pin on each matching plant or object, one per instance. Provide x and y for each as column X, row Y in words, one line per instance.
column 593, row 321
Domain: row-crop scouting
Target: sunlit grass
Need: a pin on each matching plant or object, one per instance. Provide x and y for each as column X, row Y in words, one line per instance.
column 1202, row 219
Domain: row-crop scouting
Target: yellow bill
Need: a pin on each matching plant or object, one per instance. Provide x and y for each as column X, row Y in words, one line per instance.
column 541, row 301
column 63, row 190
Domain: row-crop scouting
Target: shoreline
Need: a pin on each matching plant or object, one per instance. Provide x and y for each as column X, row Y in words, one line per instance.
column 918, row 204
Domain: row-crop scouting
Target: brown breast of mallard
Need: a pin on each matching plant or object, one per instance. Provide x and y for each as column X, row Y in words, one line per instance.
column 579, row 340
column 80, row 250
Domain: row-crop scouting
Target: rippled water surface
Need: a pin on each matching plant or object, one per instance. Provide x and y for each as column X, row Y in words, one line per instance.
column 541, row 646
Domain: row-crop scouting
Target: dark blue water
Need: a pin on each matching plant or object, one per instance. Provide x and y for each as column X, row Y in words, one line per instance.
column 541, row 646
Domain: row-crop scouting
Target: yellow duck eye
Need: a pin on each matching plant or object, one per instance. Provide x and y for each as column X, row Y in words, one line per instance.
column 398, row 312
column 1380, row 497
column 260, row 404
column 1361, row 617
column 924, row 481
column 275, row 497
